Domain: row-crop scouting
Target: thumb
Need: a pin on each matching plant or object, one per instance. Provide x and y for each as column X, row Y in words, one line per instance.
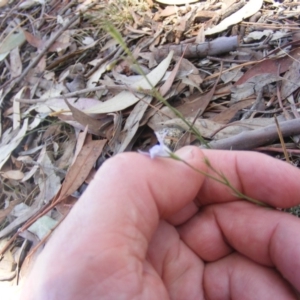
column 134, row 188
column 115, row 219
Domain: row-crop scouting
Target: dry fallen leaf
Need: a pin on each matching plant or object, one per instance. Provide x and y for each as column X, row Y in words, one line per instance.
column 225, row 116
column 3, row 2
column 132, row 123
column 218, row 131
column 42, row 226
column 7, row 149
column 93, row 124
column 81, row 168
column 15, row 62
column 13, row 174
column 6, row 211
column 252, row 86
column 125, row 98
column 11, row 41
column 46, row 178
column 290, row 80
column 252, row 7
column 271, row 66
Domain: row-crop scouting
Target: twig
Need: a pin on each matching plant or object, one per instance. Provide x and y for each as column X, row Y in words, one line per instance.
column 227, row 60
column 218, row 46
column 271, row 111
column 256, row 104
column 44, row 239
column 264, row 25
column 89, row 90
column 233, row 68
column 282, row 141
column 8, row 243
column 274, row 149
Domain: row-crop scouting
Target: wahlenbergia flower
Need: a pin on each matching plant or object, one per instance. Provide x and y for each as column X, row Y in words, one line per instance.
column 160, row 150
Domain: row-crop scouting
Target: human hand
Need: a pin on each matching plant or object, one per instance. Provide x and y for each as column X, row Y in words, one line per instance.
column 156, row 229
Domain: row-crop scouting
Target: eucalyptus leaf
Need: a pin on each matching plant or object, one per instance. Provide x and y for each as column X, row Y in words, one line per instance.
column 126, row 98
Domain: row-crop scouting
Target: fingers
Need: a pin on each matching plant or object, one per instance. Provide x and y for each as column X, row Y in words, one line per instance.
column 179, row 267
column 265, row 236
column 236, row 277
column 255, row 175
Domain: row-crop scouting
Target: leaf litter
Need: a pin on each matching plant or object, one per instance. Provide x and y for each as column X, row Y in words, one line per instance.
column 71, row 95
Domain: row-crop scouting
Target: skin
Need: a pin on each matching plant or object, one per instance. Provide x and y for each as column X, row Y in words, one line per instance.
column 156, row 229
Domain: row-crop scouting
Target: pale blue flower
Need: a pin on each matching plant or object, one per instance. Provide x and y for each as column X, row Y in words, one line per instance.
column 160, row 150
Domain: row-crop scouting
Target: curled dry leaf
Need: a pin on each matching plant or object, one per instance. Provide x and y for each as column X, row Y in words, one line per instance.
column 94, row 125
column 40, row 44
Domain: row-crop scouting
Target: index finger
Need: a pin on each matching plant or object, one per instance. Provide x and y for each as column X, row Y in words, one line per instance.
column 255, row 175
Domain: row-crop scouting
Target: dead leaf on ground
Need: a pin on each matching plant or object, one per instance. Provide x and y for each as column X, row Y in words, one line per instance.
column 94, row 125
column 252, row 7
column 80, row 169
column 126, row 98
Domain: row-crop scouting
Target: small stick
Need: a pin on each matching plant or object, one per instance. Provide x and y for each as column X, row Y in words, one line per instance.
column 89, row 90
column 227, row 60
column 274, row 149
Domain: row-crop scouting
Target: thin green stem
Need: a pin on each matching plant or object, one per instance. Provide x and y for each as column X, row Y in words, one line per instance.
column 223, row 180
column 117, row 36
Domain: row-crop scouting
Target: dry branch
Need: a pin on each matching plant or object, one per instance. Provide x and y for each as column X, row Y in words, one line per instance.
column 252, row 139
column 216, row 47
